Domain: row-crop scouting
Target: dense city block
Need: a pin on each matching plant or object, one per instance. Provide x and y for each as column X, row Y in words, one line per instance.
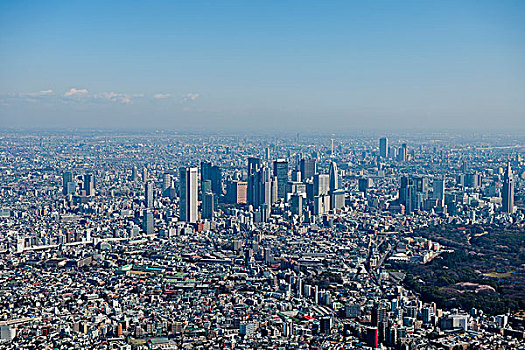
column 160, row 240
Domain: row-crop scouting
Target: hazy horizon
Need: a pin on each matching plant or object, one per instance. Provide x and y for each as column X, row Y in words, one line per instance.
column 266, row 67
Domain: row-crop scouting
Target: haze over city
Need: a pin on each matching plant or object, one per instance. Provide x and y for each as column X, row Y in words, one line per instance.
column 288, row 66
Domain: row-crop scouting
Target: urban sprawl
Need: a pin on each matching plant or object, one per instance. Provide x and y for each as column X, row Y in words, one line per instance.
column 167, row 241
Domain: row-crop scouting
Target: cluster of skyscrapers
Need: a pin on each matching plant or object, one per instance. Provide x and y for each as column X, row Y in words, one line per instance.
column 249, row 242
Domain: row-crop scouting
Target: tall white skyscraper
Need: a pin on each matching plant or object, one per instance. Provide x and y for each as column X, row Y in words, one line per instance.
column 188, row 194
column 321, row 184
column 333, row 177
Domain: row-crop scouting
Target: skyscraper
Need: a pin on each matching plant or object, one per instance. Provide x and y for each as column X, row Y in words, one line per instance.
column 267, row 153
column 507, row 193
column 145, row 174
column 216, row 180
column 208, row 205
column 206, row 186
column 148, row 195
column 188, row 194
column 296, row 175
column 308, row 168
column 438, row 188
column 372, row 337
column 148, row 223
column 253, row 165
column 321, row 184
column 407, row 193
column 166, row 182
column 334, row 177
column 383, row 147
column 68, row 186
column 214, row 174
column 402, row 155
column 262, row 187
column 134, row 174
column 236, row 192
column 297, row 204
column 280, row 170
column 89, row 184
column 473, row 180
column 364, row 184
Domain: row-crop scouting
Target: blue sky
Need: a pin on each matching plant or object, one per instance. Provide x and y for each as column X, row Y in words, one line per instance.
column 273, row 65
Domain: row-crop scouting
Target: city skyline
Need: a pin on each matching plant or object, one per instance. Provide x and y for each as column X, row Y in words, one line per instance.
column 295, row 175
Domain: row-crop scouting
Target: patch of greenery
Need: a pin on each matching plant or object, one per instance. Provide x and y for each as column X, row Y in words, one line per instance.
column 495, row 259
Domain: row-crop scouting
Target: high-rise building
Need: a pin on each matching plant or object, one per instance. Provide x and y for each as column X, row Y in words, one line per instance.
column 166, row 182
column 205, row 171
column 308, row 168
column 206, row 186
column 407, row 193
column 297, row 204
column 379, row 314
column 208, row 205
column 321, row 204
column 507, row 192
column 364, row 184
column 144, row 174
column 337, row 199
column 214, row 174
column 188, row 194
column 216, row 180
column 148, row 223
column 167, row 186
column 321, row 184
column 325, row 325
column 267, row 153
column 402, row 155
column 472, row 180
column 296, row 175
column 253, row 178
column 438, row 188
column 89, row 184
column 421, row 183
column 392, row 152
column 372, row 337
column 383, row 147
column 236, row 192
column 334, row 177
column 68, row 186
column 280, row 170
column 148, row 195
column 413, row 192
column 134, row 174
column 261, row 188
column 209, row 200
column 253, row 165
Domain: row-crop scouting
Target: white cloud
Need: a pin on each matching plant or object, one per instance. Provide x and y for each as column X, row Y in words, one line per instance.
column 190, row 97
column 73, row 92
column 159, row 96
column 114, row 97
column 38, row 93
